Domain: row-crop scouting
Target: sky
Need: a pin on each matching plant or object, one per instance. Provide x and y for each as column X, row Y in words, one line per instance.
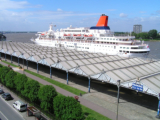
column 37, row 15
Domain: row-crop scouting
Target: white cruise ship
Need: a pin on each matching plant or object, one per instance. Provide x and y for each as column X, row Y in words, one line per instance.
column 96, row 39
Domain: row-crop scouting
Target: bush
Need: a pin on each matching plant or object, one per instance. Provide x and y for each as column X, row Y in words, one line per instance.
column 3, row 72
column 67, row 108
column 46, row 95
column 31, row 89
column 20, row 81
column 10, row 79
column 1, row 66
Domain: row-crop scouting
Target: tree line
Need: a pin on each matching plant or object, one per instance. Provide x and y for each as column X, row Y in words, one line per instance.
column 64, row 108
column 152, row 34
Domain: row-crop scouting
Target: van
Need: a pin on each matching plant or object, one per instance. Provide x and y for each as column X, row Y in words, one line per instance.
column 20, row 106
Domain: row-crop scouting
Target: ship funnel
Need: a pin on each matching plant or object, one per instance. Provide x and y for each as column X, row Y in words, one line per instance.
column 103, row 21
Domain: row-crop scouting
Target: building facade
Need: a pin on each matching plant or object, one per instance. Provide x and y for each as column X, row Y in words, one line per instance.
column 137, row 28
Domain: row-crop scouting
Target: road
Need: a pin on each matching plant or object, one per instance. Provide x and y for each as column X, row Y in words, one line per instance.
column 7, row 112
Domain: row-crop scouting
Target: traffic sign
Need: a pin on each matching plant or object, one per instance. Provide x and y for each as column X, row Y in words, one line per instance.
column 138, row 87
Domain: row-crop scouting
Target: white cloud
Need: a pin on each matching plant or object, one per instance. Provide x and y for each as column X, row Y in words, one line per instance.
column 111, row 10
column 59, row 9
column 123, row 15
column 142, row 11
column 9, row 4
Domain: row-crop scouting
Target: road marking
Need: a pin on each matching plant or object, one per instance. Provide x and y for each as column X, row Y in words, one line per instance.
column 12, row 107
column 3, row 115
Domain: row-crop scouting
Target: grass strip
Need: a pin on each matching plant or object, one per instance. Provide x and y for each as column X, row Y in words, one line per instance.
column 91, row 113
column 10, row 63
column 61, row 85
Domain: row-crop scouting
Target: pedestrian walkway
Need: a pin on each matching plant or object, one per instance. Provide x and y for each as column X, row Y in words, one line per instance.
column 83, row 101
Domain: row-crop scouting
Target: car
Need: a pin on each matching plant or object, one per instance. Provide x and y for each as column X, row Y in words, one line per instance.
column 7, row 96
column 1, row 91
column 20, row 106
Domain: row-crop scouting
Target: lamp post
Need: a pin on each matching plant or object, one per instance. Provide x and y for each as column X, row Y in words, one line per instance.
column 157, row 116
column 118, row 85
column 23, row 64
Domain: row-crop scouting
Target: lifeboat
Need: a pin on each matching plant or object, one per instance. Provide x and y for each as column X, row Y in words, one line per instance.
column 90, row 35
column 85, row 35
column 69, row 35
column 79, row 35
column 64, row 35
column 43, row 33
column 74, row 35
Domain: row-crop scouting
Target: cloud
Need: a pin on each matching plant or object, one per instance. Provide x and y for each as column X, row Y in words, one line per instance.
column 59, row 9
column 158, row 11
column 123, row 15
column 8, row 4
column 111, row 10
column 142, row 11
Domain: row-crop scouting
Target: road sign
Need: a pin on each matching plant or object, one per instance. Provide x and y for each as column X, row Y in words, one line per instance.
column 138, row 87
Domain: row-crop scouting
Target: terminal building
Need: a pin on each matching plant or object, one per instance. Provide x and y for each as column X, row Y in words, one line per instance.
column 137, row 28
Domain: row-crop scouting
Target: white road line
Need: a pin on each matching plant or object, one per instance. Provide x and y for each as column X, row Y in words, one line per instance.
column 12, row 107
column 4, row 115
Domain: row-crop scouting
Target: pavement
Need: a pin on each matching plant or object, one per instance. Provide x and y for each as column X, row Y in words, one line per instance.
column 85, row 102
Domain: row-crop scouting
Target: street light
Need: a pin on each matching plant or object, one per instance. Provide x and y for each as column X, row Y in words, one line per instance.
column 23, row 64
column 118, row 85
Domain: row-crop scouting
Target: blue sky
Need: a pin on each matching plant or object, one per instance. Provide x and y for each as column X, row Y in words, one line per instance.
column 36, row 15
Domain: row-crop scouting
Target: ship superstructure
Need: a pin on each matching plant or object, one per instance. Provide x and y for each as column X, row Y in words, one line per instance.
column 95, row 39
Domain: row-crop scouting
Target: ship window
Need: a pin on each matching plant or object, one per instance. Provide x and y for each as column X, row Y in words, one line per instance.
column 127, row 47
column 107, row 38
column 120, row 39
column 83, row 30
column 110, row 38
column 120, row 47
column 116, row 39
column 101, row 38
column 120, row 51
column 113, row 39
column 123, row 47
column 104, row 38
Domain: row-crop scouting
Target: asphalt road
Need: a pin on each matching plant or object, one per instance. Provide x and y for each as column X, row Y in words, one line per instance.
column 8, row 113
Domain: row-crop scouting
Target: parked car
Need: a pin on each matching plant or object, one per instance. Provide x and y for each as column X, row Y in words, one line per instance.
column 20, row 106
column 1, row 91
column 7, row 96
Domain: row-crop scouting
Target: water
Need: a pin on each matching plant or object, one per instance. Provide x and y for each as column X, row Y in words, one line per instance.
column 25, row 37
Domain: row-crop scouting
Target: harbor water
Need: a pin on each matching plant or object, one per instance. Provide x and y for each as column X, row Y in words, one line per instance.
column 25, row 37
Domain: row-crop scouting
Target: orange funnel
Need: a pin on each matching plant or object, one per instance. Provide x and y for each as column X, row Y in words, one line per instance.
column 103, row 21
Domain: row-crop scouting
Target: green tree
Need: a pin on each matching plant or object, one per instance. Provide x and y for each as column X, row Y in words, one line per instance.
column 143, row 35
column 46, row 94
column 20, row 81
column 10, row 79
column 3, row 72
column 31, row 89
column 152, row 33
column 67, row 108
